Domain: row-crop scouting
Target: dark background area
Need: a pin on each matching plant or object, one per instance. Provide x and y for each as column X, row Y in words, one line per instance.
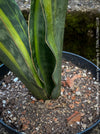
column 80, row 34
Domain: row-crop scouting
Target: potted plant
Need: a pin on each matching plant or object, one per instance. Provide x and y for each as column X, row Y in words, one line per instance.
column 34, row 52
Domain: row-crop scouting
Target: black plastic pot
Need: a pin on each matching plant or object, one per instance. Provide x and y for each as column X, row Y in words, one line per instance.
column 80, row 62
column 85, row 64
column 3, row 70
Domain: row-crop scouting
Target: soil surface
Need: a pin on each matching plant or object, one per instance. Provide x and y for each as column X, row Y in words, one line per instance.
column 75, row 110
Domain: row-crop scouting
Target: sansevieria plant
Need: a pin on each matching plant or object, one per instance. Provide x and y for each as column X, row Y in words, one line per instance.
column 34, row 52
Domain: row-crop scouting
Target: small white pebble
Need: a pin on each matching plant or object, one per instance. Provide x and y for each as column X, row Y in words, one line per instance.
column 16, row 87
column 50, row 121
column 52, row 128
column 8, row 87
column 84, row 75
column 89, row 88
column 4, row 101
column 67, row 67
column 37, row 128
column 19, row 81
column 69, row 97
column 78, row 93
column 95, row 82
column 9, row 112
column 84, row 71
column 96, row 105
column 84, row 126
column 82, row 110
column 14, row 118
column 23, row 102
column 69, row 7
column 33, row 98
column 61, row 93
column 67, row 62
column 89, row 72
column 9, row 121
column 16, row 79
column 4, row 105
column 78, row 122
column 85, row 101
column 9, row 72
column 4, row 85
column 66, row 93
column 24, row 107
column 90, row 118
column 93, row 78
column 11, row 115
column 89, row 101
column 76, row 67
column 63, row 66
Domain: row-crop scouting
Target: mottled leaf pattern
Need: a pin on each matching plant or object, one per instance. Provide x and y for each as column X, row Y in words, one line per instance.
column 14, row 47
column 50, row 21
column 35, row 57
column 43, row 58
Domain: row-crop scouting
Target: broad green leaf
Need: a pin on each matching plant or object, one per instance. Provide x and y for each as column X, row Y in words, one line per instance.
column 54, row 14
column 14, row 47
column 43, row 58
column 46, row 30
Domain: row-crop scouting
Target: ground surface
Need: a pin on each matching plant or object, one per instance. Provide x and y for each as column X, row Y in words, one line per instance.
column 77, row 5
column 75, row 110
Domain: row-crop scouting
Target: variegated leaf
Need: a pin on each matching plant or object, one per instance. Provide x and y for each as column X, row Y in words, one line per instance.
column 14, row 47
column 46, row 30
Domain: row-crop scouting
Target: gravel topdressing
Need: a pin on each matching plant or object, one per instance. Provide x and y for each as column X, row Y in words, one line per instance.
column 73, row 5
column 75, row 110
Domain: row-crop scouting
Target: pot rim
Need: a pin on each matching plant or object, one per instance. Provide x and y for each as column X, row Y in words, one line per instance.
column 76, row 55
column 1, row 65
